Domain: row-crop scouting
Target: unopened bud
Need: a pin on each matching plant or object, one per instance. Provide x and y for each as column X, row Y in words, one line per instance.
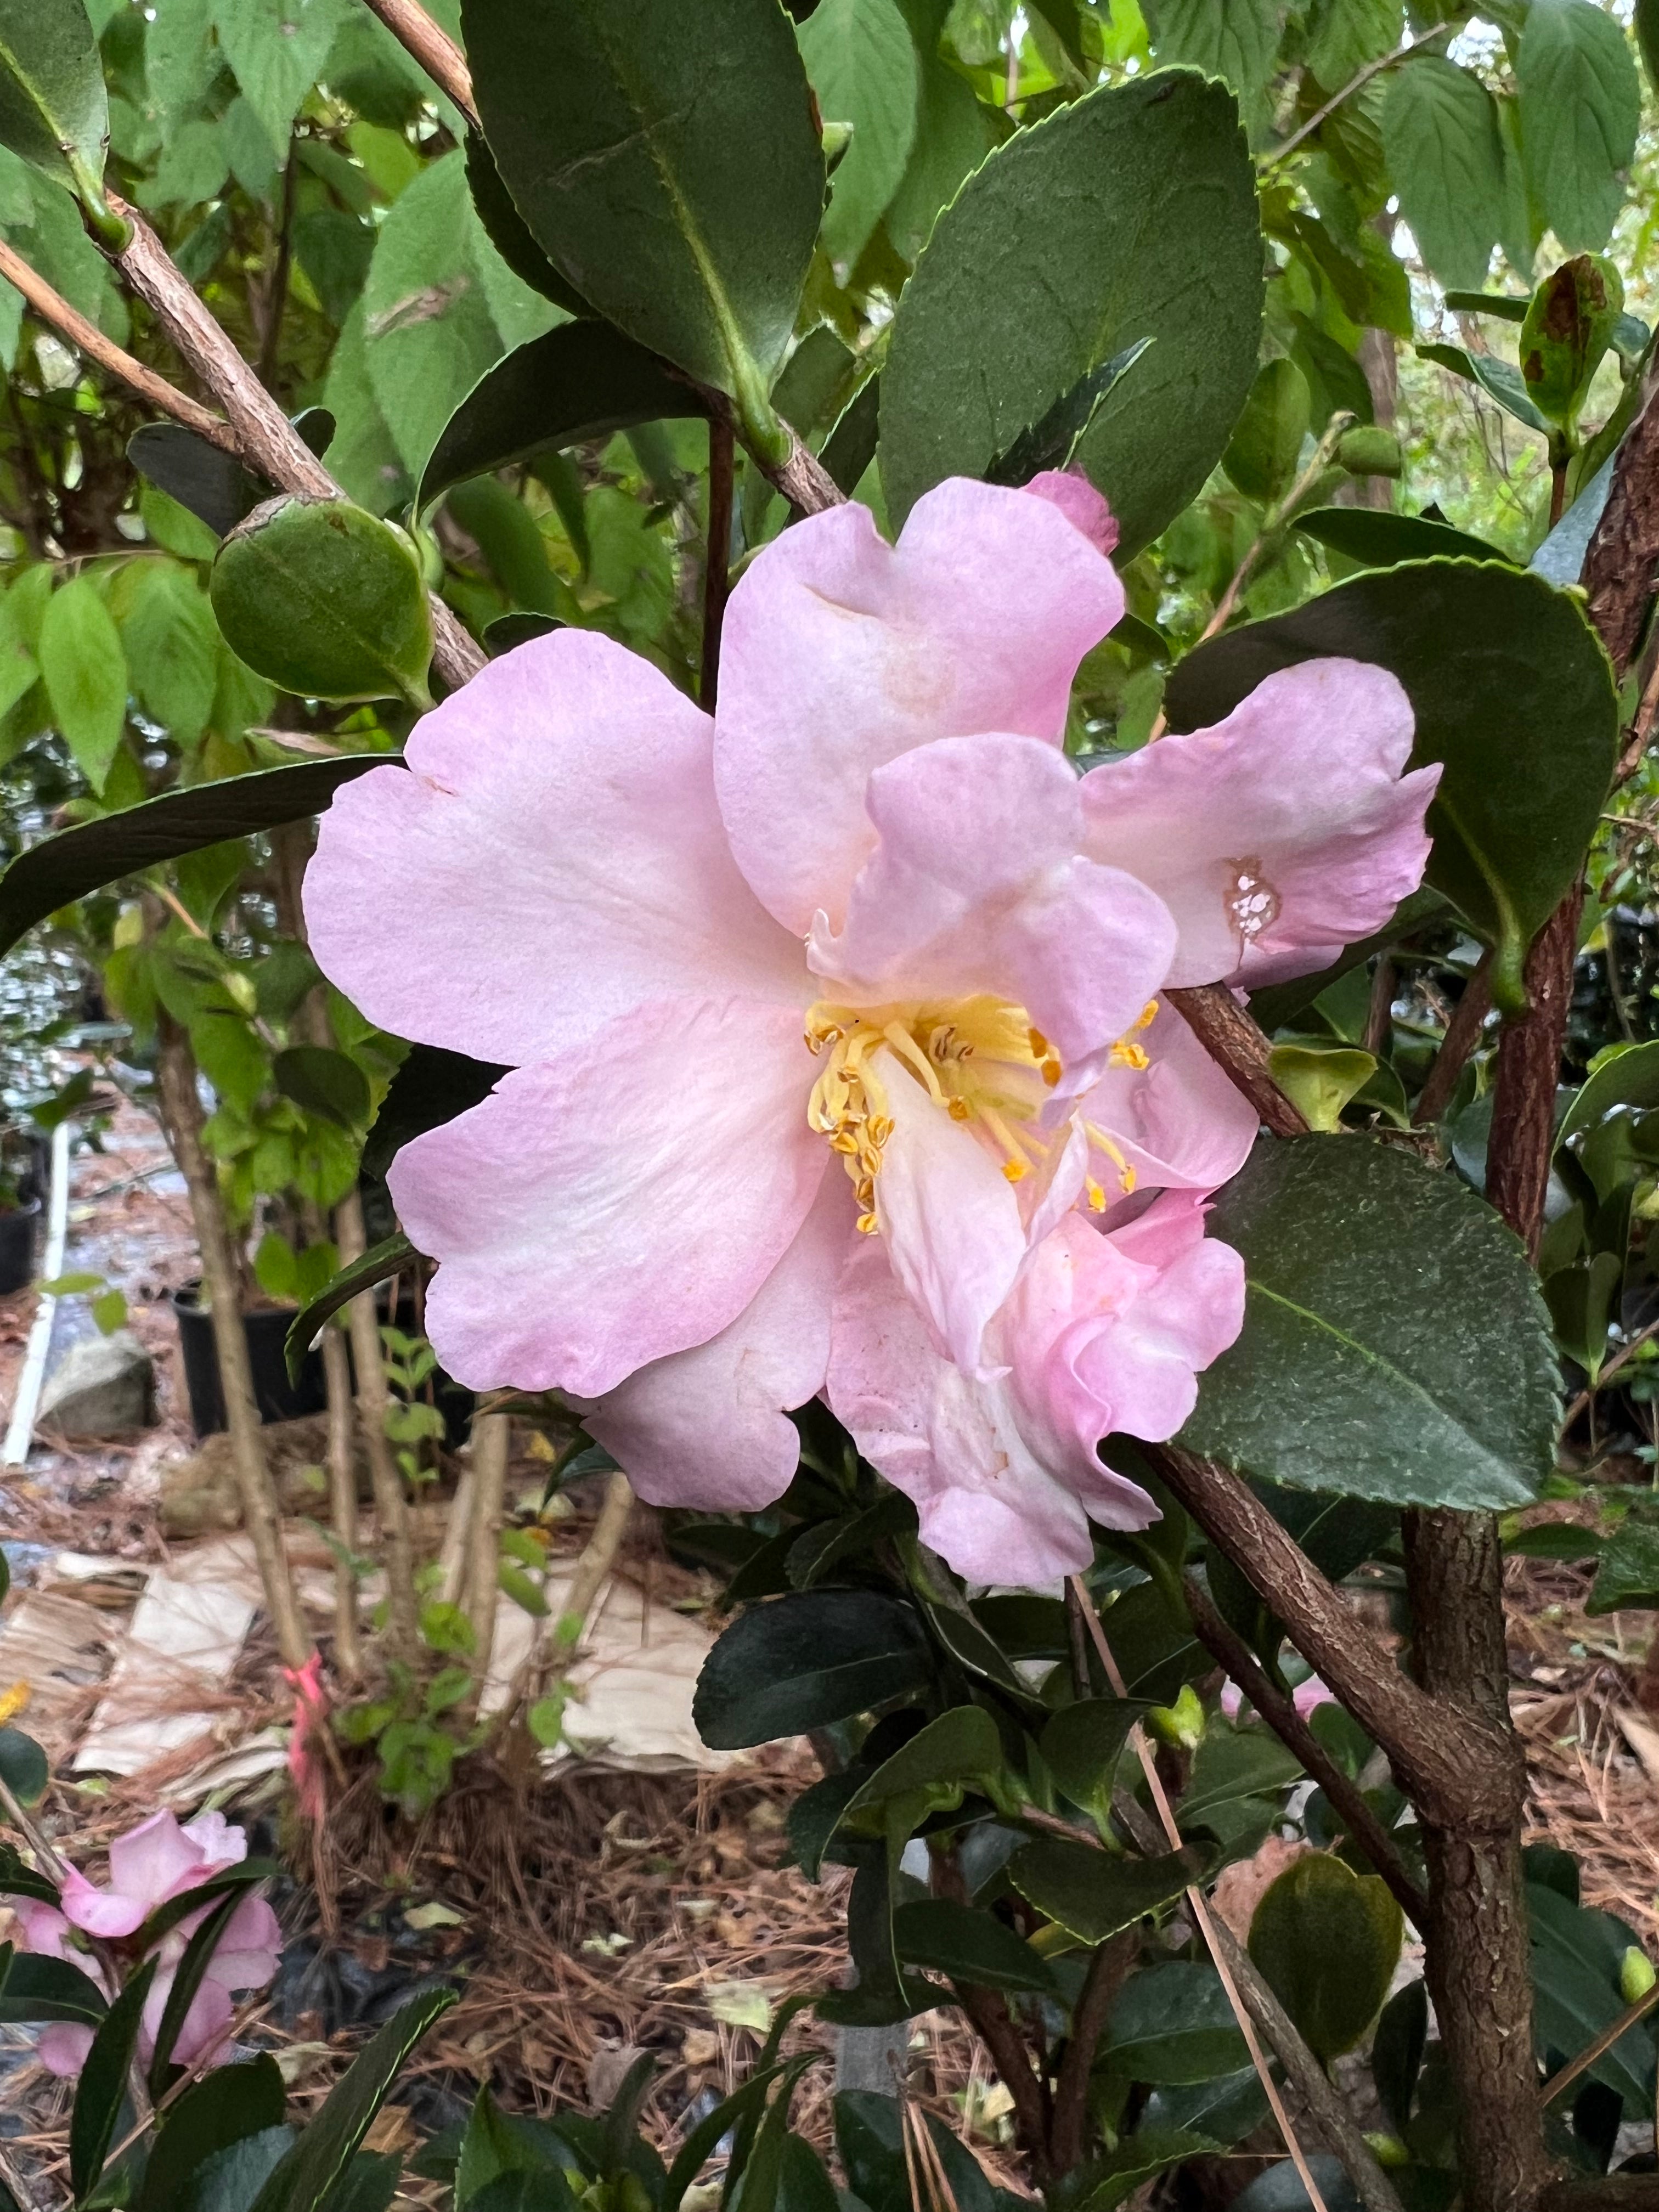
column 1636, row 1974
column 1367, row 451
column 1180, row 1724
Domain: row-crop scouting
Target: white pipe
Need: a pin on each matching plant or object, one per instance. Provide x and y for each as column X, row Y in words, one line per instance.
column 20, row 1429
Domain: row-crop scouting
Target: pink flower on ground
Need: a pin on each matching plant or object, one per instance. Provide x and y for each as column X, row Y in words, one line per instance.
column 152, row 1864
column 878, row 844
column 1104, row 1333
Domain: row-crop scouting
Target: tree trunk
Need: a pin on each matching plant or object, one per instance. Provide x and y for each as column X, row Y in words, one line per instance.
column 492, row 1437
column 181, row 1108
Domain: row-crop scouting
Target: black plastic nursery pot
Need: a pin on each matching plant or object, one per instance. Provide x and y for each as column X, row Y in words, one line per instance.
column 17, row 1228
column 277, row 1399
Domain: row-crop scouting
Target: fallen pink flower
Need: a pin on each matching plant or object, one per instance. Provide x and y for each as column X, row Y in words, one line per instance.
column 878, row 843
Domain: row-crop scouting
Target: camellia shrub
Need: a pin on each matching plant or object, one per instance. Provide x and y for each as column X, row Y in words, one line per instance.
column 954, row 929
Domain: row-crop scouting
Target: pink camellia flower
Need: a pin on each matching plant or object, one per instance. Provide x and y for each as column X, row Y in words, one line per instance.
column 1306, row 1697
column 1103, row 1333
column 152, row 1864
column 867, row 913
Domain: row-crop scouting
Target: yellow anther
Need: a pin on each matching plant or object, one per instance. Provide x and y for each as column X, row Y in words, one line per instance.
column 14, row 1701
column 1096, row 1195
column 1125, row 1054
column 1148, row 1015
column 1016, row 1171
column 868, row 1224
column 1039, row 1044
column 1051, row 1070
column 881, row 1129
column 960, row 1110
column 1128, row 1180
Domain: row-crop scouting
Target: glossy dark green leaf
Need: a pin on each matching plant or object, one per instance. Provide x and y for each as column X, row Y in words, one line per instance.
column 23, row 1767
column 229, row 2181
column 701, row 2141
column 1172, row 2023
column 943, row 1937
column 1083, row 1743
column 53, row 110
column 1228, row 2107
column 63, row 868
column 1445, row 155
column 370, row 2184
column 1625, row 1078
column 1397, row 2048
column 102, row 2087
column 307, row 2172
column 17, row 1879
column 509, row 234
column 389, row 1257
column 869, row 2137
column 431, row 1086
column 1051, row 443
column 1511, row 693
column 223, row 2108
column 1136, row 213
column 1109, row 2181
column 1094, row 1894
column 1263, row 450
column 1581, row 105
column 1647, row 37
column 1576, row 1953
column 490, row 2147
column 1627, row 1573
column 34, row 1988
column 631, row 137
column 959, row 1747
column 1327, row 1941
column 583, row 380
column 187, row 1978
column 211, row 482
column 813, row 1656
column 1499, row 379
column 1396, row 1345
column 327, row 601
column 324, row 1082
column 1382, row 540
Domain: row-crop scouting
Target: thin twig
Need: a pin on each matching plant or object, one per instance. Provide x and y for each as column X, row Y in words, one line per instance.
column 1200, row 1910
column 53, row 307
column 433, row 47
column 1462, row 1033
column 1591, row 2051
column 1620, row 1358
column 1356, row 83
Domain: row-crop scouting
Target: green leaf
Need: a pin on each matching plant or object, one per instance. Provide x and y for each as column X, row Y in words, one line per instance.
column 18, row 1878
column 1343, row 35
column 1235, row 39
column 700, row 2142
column 1397, row 2048
column 581, row 380
column 862, row 64
column 61, row 869
column 1445, row 155
column 1173, row 2023
column 307, row 2172
column 1082, row 1744
column 631, row 136
column 389, row 1257
column 1576, row 1954
column 240, row 1876
column 202, row 477
column 34, row 1990
column 23, row 1767
column 1135, row 212
column 1051, row 443
column 430, row 1087
column 1327, row 1942
column 325, row 1082
column 226, row 2105
column 230, row 2180
column 1569, row 326
column 53, row 110
column 509, row 234
column 85, row 672
column 1093, row 1893
column 327, row 601
column 172, row 645
column 491, row 2146
column 801, row 1660
column 943, row 1937
column 441, row 307
column 1627, row 1573
column 1382, row 540
column 1267, row 442
column 1647, row 37
column 1105, row 2183
column 1320, row 1078
column 103, row 2084
column 1581, row 105
column 958, row 1747
column 277, row 49
column 1510, row 690
column 1396, row 1345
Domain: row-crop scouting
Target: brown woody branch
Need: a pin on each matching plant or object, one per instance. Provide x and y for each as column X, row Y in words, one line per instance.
column 1241, row 1049
column 1468, row 1018
column 433, row 47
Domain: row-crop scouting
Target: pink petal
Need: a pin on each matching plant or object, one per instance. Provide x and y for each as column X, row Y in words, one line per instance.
column 204, row 2031
column 1179, row 1122
column 709, row 1427
column 618, row 1204
column 156, row 1861
column 41, row 1928
column 987, row 1503
column 948, row 1218
column 1282, row 835
column 977, row 885
column 841, row 652
column 63, row 2049
column 1084, row 507
column 1142, row 1367
column 221, row 1843
column 553, row 857
column 250, row 1950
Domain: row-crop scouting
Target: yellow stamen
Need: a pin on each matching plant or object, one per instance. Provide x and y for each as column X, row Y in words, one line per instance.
column 14, row 1701
column 1148, row 1015
column 1016, row 1171
column 1096, row 1195
column 1125, row 1054
column 1099, row 1137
